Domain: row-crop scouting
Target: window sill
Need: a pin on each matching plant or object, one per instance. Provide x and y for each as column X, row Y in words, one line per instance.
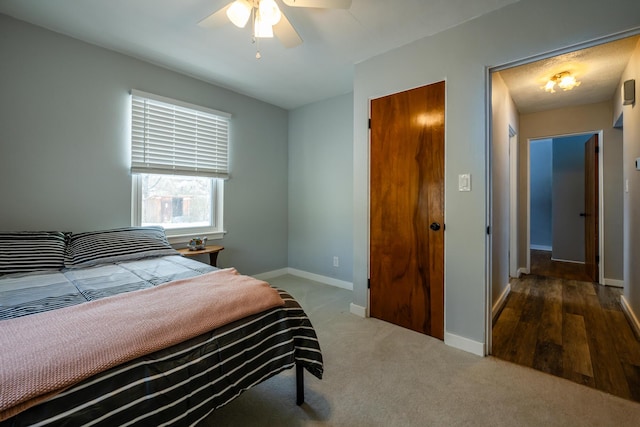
column 179, row 239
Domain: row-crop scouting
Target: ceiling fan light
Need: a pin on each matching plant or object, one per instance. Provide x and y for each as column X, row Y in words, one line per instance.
column 262, row 29
column 269, row 11
column 239, row 13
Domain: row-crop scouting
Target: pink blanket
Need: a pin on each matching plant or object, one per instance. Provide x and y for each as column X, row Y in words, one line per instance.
column 42, row 354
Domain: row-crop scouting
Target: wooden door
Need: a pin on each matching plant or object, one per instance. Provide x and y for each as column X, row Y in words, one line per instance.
column 407, row 209
column 591, row 209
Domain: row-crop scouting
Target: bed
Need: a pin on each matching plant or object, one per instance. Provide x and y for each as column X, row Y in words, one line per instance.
column 52, row 276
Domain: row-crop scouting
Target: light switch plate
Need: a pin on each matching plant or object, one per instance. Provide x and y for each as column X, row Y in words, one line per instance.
column 464, row 182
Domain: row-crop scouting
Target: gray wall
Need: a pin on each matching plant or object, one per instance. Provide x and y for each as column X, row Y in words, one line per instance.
column 504, row 118
column 631, row 130
column 320, row 189
column 461, row 55
column 541, row 155
column 568, row 198
column 64, row 144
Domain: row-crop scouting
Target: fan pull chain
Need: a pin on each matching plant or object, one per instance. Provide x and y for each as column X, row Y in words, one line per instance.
column 258, row 55
column 254, row 39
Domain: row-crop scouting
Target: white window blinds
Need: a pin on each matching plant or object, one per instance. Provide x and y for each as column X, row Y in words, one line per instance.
column 173, row 137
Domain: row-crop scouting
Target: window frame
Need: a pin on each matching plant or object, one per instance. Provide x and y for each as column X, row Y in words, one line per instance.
column 184, row 234
column 217, row 175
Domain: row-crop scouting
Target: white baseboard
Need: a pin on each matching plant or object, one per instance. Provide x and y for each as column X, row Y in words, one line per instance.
column 305, row 275
column 567, row 260
column 358, row 310
column 465, row 344
column 271, row 274
column 614, row 283
column 628, row 311
column 522, row 271
column 541, row 248
column 501, row 301
column 322, row 279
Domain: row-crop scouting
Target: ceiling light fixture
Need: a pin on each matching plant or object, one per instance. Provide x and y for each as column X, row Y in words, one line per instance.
column 564, row 80
column 265, row 14
column 269, row 11
column 239, row 13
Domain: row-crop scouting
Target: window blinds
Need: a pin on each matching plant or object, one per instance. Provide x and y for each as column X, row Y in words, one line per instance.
column 172, row 137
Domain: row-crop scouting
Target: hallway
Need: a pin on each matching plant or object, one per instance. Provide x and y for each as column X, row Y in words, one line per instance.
column 571, row 329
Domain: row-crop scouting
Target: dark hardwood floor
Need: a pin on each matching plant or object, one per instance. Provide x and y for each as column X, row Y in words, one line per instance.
column 572, row 329
column 543, row 265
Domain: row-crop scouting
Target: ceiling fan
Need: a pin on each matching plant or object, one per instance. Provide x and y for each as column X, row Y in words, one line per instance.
column 266, row 18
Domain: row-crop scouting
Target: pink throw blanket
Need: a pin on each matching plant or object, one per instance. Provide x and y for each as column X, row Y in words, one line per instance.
column 42, row 354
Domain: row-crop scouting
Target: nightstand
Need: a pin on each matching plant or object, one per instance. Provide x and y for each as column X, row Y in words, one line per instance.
column 211, row 250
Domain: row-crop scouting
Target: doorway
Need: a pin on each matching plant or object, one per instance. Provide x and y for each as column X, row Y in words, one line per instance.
column 561, row 327
column 564, row 207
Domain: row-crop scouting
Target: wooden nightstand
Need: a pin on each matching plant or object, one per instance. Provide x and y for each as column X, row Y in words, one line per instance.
column 211, row 250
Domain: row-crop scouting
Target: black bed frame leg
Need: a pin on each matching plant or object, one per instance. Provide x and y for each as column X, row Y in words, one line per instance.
column 299, row 384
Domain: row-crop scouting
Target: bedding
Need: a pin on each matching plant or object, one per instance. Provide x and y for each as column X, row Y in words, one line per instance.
column 26, row 251
column 178, row 384
column 197, row 304
column 120, row 244
column 29, row 293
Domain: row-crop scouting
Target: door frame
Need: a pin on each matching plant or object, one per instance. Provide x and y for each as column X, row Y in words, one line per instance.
column 513, row 203
column 601, row 143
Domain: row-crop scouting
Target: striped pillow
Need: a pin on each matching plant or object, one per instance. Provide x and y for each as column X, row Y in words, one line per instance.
column 122, row 244
column 26, row 251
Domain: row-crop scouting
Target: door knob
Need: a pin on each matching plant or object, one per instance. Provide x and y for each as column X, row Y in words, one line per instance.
column 434, row 226
column 583, row 214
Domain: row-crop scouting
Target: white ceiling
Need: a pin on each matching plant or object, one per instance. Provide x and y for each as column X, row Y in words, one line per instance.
column 598, row 69
column 165, row 32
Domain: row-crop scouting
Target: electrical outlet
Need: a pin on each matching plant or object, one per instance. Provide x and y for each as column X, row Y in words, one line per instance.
column 336, row 261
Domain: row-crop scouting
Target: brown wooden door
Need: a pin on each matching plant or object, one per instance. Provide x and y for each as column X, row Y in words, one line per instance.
column 591, row 210
column 407, row 199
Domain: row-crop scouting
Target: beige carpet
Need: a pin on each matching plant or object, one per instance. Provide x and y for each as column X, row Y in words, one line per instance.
column 378, row 374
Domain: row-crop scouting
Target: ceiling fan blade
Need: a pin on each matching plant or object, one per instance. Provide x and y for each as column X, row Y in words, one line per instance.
column 216, row 19
column 285, row 32
column 320, row 4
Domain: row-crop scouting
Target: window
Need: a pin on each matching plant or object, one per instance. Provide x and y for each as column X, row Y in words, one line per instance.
column 179, row 161
column 179, row 202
